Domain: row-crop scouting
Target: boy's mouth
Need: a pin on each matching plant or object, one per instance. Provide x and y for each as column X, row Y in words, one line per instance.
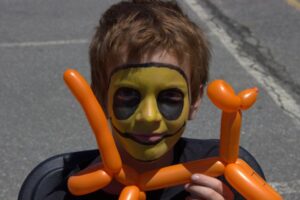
column 147, row 139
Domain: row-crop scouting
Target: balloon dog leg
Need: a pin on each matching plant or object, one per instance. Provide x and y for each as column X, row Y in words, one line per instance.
column 248, row 183
column 88, row 180
column 230, row 136
column 180, row 173
column 96, row 117
column 130, row 193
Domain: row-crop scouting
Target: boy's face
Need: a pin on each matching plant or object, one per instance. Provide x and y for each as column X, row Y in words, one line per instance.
column 149, row 105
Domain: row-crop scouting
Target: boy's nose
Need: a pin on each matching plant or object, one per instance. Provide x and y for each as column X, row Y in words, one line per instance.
column 148, row 111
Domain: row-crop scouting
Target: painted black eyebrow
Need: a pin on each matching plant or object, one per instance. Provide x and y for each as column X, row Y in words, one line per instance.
column 148, row 64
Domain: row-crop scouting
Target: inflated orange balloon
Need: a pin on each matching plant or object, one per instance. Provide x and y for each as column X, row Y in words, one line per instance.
column 229, row 101
column 248, row 183
column 248, row 98
column 237, row 172
column 180, row 173
column 130, row 192
column 88, row 181
column 96, row 117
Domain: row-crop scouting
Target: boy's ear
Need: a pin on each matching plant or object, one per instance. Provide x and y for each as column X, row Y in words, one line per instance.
column 194, row 107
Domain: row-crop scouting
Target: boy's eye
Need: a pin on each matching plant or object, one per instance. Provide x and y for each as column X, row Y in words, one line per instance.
column 171, row 96
column 125, row 102
column 170, row 103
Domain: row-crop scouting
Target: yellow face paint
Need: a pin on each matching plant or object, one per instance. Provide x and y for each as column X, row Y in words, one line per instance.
column 148, row 106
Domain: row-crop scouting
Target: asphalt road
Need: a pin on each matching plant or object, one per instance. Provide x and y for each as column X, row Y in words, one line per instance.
column 254, row 44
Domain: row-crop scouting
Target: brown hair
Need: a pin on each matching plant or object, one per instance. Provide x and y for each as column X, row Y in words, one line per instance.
column 130, row 30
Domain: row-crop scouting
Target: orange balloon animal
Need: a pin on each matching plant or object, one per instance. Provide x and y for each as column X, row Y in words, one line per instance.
column 237, row 172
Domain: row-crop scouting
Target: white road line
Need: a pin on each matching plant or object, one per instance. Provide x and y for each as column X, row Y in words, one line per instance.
column 44, row 43
column 276, row 92
column 289, row 187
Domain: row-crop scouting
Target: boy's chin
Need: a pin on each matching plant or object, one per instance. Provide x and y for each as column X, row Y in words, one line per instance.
column 151, row 150
column 148, row 153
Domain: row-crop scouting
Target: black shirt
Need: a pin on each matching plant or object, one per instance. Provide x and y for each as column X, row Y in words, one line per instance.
column 185, row 150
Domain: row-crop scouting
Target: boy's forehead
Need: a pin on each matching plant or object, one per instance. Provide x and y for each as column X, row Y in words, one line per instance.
column 159, row 58
column 128, row 68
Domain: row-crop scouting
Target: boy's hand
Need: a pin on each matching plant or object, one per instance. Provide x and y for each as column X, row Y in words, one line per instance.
column 206, row 187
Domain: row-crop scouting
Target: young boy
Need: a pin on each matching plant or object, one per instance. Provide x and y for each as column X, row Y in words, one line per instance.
column 149, row 66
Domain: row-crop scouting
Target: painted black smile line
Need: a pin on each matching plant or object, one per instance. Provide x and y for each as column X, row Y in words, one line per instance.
column 130, row 136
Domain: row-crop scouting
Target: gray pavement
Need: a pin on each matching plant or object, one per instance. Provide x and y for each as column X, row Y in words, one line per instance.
column 269, row 31
column 39, row 117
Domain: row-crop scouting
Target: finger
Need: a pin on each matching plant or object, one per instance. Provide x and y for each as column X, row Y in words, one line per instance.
column 213, row 183
column 201, row 192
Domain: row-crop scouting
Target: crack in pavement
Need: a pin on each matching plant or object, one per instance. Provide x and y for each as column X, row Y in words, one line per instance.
column 252, row 46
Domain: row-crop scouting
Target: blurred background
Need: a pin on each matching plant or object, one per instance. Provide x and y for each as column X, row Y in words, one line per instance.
column 254, row 43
